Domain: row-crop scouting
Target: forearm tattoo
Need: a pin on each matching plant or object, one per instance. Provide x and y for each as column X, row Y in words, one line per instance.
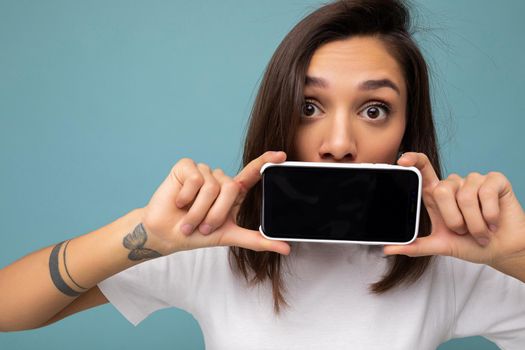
column 55, row 272
column 135, row 241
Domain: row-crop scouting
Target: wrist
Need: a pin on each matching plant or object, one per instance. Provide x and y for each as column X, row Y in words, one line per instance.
column 137, row 231
column 512, row 266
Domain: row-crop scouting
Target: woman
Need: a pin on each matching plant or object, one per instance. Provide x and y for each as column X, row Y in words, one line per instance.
column 347, row 84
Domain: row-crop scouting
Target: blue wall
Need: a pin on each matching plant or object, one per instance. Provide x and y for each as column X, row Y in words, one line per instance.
column 98, row 99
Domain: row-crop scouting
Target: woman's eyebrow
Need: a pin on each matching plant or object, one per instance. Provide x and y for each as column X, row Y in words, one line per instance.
column 377, row 84
column 315, row 82
column 365, row 85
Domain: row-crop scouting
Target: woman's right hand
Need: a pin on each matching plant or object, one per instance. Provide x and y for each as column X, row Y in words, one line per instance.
column 193, row 197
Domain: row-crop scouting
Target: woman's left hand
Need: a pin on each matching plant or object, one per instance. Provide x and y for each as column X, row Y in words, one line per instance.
column 477, row 218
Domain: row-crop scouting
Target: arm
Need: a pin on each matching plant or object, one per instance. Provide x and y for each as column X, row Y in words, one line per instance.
column 514, row 267
column 29, row 297
column 38, row 289
column 91, row 298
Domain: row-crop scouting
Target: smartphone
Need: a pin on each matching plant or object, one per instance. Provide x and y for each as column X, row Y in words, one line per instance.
column 360, row 203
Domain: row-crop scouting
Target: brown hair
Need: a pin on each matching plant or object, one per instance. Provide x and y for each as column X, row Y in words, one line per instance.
column 276, row 112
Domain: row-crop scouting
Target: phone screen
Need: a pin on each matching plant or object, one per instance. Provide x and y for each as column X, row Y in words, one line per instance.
column 346, row 204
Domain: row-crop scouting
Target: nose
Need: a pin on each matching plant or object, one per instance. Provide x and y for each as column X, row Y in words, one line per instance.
column 338, row 142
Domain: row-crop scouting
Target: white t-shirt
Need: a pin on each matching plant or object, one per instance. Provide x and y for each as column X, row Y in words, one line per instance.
column 330, row 306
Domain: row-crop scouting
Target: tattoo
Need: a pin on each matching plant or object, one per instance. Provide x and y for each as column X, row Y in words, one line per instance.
column 135, row 241
column 67, row 271
column 55, row 273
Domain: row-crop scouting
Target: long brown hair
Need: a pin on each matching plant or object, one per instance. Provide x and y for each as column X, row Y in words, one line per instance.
column 276, row 112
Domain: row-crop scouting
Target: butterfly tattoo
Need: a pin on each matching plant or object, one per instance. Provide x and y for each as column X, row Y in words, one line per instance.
column 135, row 241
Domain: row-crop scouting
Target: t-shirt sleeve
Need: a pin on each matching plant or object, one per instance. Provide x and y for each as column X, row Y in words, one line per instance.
column 488, row 303
column 152, row 285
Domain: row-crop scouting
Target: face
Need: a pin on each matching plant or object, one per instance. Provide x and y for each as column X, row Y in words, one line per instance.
column 355, row 104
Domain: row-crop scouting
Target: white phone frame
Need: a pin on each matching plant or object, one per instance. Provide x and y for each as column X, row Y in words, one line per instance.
column 347, row 165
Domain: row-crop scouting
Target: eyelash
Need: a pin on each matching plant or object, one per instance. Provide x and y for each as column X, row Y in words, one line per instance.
column 377, row 103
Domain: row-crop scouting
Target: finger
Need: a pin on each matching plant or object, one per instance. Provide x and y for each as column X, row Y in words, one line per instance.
column 468, row 201
column 222, row 206
column 162, row 204
column 444, row 195
column 191, row 179
column 422, row 163
column 422, row 246
column 251, row 173
column 489, row 195
column 204, row 200
column 253, row 240
column 430, row 180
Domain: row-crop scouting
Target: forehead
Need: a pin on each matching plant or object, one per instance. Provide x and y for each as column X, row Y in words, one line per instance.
column 350, row 61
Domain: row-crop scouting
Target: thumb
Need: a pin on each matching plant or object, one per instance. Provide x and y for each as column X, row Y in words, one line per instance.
column 420, row 247
column 251, row 173
column 251, row 239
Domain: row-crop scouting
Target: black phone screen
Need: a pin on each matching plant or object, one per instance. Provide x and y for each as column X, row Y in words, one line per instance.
column 355, row 204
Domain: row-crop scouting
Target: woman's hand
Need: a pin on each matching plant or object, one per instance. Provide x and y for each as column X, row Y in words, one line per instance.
column 195, row 197
column 477, row 218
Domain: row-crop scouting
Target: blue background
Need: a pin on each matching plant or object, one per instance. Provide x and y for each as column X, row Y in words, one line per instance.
column 98, row 99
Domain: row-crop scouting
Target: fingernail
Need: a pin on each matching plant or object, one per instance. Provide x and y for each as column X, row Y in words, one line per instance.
column 205, row 228
column 483, row 241
column 493, row 228
column 187, row 229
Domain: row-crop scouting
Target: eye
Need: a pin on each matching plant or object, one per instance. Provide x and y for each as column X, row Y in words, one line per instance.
column 376, row 111
column 308, row 108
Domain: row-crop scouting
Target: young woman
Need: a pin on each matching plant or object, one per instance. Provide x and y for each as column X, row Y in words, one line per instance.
column 347, row 84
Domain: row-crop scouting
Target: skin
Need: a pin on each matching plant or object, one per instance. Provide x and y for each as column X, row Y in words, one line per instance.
column 193, row 195
column 337, row 126
column 476, row 218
